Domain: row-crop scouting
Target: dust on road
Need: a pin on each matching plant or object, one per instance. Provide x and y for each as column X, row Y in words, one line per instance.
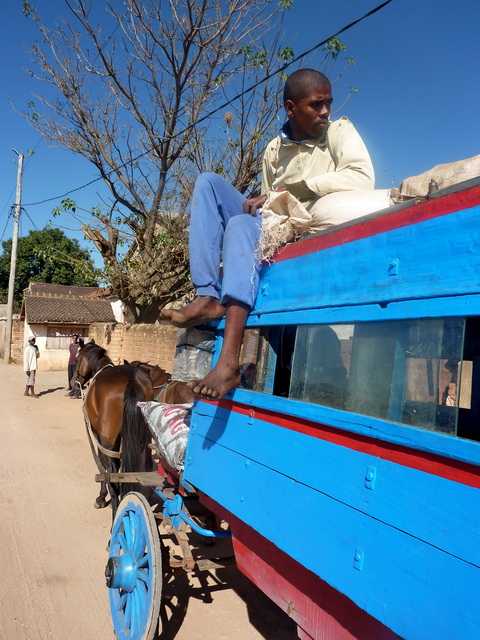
column 53, row 542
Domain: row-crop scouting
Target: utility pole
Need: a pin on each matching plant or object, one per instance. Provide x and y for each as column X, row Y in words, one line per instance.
column 13, row 260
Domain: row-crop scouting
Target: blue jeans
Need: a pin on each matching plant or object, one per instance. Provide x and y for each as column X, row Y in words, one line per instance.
column 221, row 232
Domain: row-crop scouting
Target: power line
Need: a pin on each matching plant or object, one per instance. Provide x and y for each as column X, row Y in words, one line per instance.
column 30, row 218
column 6, row 223
column 8, row 199
column 249, row 89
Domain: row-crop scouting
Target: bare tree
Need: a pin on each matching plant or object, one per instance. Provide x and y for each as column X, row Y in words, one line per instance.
column 127, row 87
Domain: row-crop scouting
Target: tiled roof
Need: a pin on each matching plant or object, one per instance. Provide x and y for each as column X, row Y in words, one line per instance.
column 46, row 289
column 66, row 310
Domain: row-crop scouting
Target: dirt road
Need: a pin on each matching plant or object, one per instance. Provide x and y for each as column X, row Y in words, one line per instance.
column 53, row 542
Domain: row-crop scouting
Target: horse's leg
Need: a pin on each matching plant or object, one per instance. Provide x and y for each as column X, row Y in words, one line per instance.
column 101, row 460
column 110, row 420
column 100, row 501
column 113, row 489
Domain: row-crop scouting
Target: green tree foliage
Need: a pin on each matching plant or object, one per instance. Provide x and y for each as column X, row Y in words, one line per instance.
column 46, row 256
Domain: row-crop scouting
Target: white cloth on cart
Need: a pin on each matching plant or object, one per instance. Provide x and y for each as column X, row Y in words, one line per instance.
column 285, row 218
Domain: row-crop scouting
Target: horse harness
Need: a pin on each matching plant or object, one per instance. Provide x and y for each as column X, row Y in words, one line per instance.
column 93, row 440
column 92, row 437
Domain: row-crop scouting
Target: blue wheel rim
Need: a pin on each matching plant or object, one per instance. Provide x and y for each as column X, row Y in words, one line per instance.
column 132, row 602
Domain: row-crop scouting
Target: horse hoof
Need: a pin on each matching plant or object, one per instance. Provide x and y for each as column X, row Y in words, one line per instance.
column 100, row 503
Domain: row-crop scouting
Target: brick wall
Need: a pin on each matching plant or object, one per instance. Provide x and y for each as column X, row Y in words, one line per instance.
column 18, row 328
column 153, row 343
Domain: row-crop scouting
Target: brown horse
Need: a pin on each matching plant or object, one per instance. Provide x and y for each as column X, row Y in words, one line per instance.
column 111, row 408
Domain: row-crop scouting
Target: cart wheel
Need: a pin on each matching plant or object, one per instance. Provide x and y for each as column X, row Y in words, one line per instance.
column 134, row 570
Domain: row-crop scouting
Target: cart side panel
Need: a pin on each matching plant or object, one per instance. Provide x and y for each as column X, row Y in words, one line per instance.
column 426, row 505
column 393, row 575
column 379, row 260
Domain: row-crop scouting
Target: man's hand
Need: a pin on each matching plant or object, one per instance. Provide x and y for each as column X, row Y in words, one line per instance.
column 252, row 204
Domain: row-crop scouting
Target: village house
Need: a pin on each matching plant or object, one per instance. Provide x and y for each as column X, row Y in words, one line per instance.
column 54, row 312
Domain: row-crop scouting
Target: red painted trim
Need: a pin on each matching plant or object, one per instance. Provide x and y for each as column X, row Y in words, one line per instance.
column 386, row 222
column 422, row 461
column 320, row 611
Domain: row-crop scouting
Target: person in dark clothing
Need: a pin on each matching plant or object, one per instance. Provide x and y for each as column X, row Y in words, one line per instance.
column 72, row 361
column 75, row 389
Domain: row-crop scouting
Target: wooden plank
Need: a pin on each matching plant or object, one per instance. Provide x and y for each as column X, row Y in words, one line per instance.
column 145, row 478
column 361, row 272
column 434, row 307
column 398, row 579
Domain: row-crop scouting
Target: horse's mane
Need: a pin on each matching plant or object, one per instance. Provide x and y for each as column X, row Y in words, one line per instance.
column 91, row 348
column 95, row 356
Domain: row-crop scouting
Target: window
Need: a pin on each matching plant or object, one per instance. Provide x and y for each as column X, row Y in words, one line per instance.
column 409, row 371
column 58, row 337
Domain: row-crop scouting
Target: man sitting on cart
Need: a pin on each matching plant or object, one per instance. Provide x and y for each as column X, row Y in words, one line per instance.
column 311, row 157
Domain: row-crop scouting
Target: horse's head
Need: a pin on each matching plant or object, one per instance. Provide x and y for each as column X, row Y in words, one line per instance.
column 90, row 359
column 157, row 375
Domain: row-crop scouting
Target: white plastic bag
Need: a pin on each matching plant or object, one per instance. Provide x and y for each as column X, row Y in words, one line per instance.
column 193, row 354
column 285, row 219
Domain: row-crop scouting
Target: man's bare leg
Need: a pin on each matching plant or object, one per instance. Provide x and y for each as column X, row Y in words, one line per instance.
column 226, row 375
column 201, row 310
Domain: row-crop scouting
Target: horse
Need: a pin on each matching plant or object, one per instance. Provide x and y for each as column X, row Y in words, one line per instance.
column 111, row 408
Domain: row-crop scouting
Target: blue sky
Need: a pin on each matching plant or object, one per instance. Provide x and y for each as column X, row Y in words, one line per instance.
column 417, row 105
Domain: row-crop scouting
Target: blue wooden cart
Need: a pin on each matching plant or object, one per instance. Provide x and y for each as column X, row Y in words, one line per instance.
column 348, row 463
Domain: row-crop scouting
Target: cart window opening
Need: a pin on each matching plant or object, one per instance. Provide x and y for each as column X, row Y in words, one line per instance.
column 468, row 390
column 420, row 373
column 266, row 359
column 406, row 371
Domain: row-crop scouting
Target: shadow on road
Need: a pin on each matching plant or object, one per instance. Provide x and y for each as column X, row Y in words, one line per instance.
column 47, row 391
column 268, row 619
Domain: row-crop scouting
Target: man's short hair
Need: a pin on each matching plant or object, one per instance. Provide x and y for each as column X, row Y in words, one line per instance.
column 301, row 82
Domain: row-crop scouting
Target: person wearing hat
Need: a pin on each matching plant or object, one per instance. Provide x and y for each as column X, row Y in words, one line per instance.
column 30, row 357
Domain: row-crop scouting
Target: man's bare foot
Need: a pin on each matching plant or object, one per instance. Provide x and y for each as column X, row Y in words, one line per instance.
column 222, row 379
column 202, row 309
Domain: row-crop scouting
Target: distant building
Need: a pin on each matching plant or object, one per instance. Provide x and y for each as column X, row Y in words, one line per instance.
column 54, row 312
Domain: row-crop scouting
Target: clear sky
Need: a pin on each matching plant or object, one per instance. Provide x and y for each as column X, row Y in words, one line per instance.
column 417, row 71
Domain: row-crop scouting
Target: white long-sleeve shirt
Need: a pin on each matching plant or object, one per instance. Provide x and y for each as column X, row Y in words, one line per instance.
column 310, row 169
column 30, row 358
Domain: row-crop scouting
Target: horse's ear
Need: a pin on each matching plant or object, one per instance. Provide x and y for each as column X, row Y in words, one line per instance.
column 126, row 362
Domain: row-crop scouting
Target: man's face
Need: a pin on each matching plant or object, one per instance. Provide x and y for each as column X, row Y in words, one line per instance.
column 308, row 116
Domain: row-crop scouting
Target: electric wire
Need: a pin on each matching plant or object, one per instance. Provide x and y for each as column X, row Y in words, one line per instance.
column 6, row 224
column 249, row 89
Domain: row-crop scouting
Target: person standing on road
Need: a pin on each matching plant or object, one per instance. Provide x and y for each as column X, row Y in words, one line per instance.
column 72, row 361
column 75, row 391
column 30, row 357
